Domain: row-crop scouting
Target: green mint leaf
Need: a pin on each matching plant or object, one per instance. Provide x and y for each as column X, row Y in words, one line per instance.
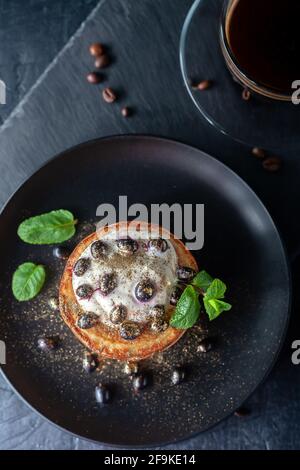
column 27, row 281
column 187, row 310
column 214, row 307
column 53, row 227
column 202, row 280
column 216, row 290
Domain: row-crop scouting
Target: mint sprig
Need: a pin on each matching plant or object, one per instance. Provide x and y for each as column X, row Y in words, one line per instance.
column 188, row 307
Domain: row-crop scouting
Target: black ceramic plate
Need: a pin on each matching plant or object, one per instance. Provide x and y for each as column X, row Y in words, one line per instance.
column 242, row 246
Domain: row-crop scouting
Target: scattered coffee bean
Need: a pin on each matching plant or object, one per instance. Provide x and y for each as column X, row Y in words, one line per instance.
column 126, row 112
column 184, row 273
column 140, row 381
column 242, row 412
column 178, row 375
column 205, row 345
column 94, row 78
column 129, row 330
column 204, row 85
column 118, row 314
column 272, row 164
column 102, row 61
column 84, row 291
column 109, row 95
column 53, row 303
column 176, row 294
column 102, row 394
column 90, row 362
column 81, row 266
column 131, row 368
column 61, row 252
column 48, row 343
column 246, row 94
column 97, row 49
column 107, row 283
column 99, row 249
column 87, row 320
column 258, row 152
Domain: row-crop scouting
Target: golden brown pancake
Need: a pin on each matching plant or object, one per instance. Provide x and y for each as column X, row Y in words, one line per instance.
column 107, row 340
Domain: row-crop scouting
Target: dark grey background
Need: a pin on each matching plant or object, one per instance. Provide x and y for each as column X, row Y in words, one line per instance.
column 62, row 110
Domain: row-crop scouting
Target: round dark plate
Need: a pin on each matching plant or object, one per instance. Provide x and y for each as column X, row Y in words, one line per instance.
column 242, row 246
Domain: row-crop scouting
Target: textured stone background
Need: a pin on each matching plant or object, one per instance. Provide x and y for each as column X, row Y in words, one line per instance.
column 31, row 35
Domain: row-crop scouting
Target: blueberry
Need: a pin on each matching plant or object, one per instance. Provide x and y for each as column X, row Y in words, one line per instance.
column 178, row 375
column 129, row 330
column 90, row 362
column 157, row 312
column 159, row 325
column 102, row 394
column 184, row 273
column 81, row 266
column 175, row 296
column 87, row 320
column 98, row 249
column 127, row 246
column 61, row 252
column 205, row 345
column 140, row 381
column 48, row 343
column 118, row 314
column 84, row 291
column 107, row 283
column 144, row 290
column 158, row 244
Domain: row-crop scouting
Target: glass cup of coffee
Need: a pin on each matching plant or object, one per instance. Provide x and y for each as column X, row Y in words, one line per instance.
column 260, row 41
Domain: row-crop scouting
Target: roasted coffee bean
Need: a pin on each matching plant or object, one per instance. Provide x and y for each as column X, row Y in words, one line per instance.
column 131, row 368
column 107, row 283
column 109, row 95
column 99, row 249
column 126, row 112
column 178, row 375
column 81, row 266
column 258, row 153
column 158, row 245
column 53, row 303
column 129, row 330
column 242, row 412
column 90, row 362
column 102, row 61
column 205, row 345
column 272, row 164
column 87, row 320
column 158, row 325
column 140, row 381
column 127, row 246
column 61, row 252
column 84, row 291
column 48, row 343
column 246, row 94
column 176, row 294
column 204, row 85
column 184, row 273
column 94, row 78
column 118, row 314
column 102, row 394
column 144, row 290
column 97, row 49
column 157, row 312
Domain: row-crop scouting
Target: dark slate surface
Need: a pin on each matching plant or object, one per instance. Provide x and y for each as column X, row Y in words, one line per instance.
column 62, row 110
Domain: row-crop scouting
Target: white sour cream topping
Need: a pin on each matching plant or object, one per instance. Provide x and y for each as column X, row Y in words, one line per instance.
column 159, row 268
